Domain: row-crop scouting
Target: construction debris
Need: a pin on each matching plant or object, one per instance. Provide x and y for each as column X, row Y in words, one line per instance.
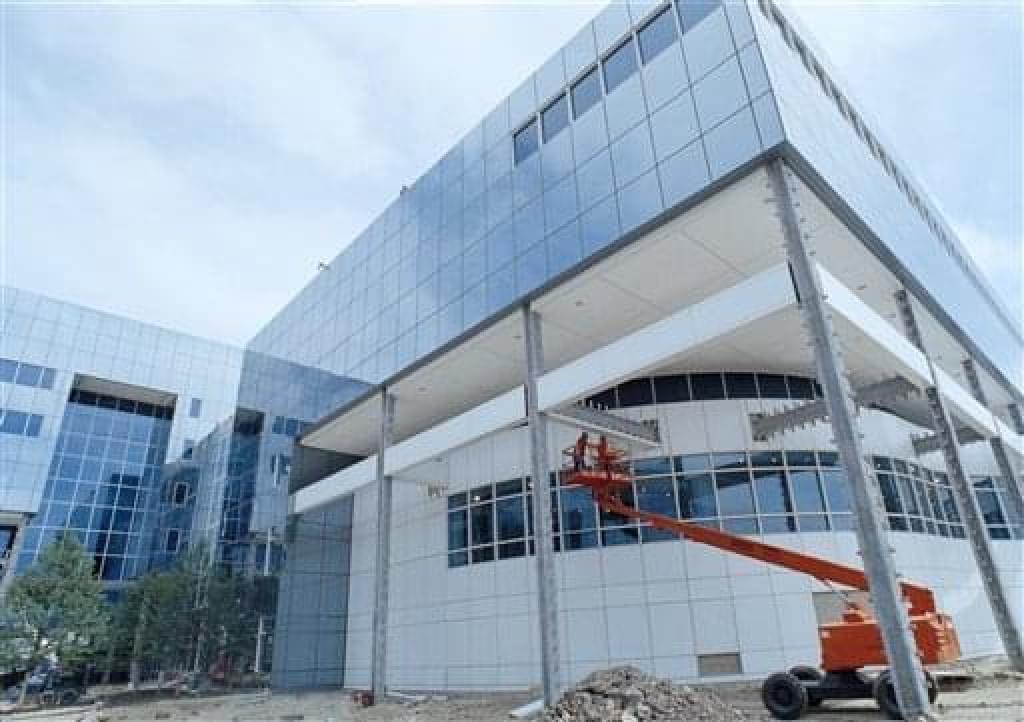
column 627, row 694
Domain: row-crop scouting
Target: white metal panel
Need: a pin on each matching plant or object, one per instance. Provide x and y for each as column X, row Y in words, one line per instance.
column 336, row 485
column 490, row 416
column 846, row 302
column 653, row 345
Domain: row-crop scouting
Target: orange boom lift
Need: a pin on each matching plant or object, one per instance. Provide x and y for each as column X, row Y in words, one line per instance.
column 847, row 646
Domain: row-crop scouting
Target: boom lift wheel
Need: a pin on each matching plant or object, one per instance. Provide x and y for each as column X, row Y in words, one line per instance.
column 810, row 674
column 784, row 695
column 884, row 692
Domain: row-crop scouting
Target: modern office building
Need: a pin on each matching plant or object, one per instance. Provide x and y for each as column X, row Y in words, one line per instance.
column 141, row 440
column 687, row 224
column 655, row 218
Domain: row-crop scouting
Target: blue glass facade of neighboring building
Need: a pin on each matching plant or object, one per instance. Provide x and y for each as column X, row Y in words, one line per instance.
column 104, row 483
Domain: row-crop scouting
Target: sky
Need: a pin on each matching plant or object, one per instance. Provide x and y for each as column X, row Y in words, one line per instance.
column 190, row 165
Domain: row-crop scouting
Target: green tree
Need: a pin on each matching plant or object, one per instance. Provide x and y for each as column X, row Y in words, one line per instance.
column 56, row 607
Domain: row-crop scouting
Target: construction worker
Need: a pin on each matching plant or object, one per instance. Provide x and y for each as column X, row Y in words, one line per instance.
column 603, row 454
column 579, row 453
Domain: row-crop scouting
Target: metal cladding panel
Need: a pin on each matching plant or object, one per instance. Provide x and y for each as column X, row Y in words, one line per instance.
column 849, row 155
column 644, row 108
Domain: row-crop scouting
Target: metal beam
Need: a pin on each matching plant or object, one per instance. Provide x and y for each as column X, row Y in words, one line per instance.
column 607, row 423
column 764, row 426
column 963, row 490
column 1014, row 482
column 378, row 663
column 872, row 536
column 547, row 589
column 926, row 443
column 1017, row 418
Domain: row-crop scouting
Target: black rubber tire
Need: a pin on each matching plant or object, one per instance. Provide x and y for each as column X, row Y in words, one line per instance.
column 68, row 697
column 884, row 693
column 806, row 673
column 784, row 696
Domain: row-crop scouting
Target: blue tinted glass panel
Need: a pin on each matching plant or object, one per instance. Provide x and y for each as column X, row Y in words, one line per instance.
column 526, row 142
column 734, row 492
column 564, row 249
column 632, row 155
column 640, row 201
column 692, row 12
column 8, row 370
column 697, row 496
column 620, row 65
column 595, row 180
column 586, row 93
column 560, row 204
column 657, row 35
column 531, row 268
column 772, row 494
column 555, row 117
column 599, row 226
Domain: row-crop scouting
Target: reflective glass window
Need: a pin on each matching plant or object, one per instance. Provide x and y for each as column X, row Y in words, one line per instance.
column 555, row 117
column 34, row 426
column 195, row 408
column 48, row 378
column 671, row 389
column 13, row 422
column 707, row 386
column 8, row 370
column 657, row 35
column 586, row 93
column 620, row 65
column 692, row 12
column 655, row 466
column 482, row 524
column 772, row 386
column 740, row 386
column 766, row 458
column 735, row 496
column 599, row 225
column 890, row 494
column 637, row 392
column 772, row 493
column 800, row 388
column 656, row 495
column 511, row 522
column 807, row 492
column 526, row 142
column 578, row 511
column 29, row 375
column 692, row 462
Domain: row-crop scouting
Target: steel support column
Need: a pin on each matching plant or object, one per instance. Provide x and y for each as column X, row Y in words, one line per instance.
column 1014, row 482
column 378, row 664
column 1017, row 418
column 547, row 589
column 872, row 536
column 970, row 511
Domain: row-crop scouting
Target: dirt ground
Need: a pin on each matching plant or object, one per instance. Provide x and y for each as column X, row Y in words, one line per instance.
column 993, row 695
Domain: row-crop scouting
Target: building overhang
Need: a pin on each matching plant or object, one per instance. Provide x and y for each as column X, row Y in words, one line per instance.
column 707, row 289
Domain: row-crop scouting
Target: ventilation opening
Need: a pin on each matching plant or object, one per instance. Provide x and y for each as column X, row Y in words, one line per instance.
column 719, row 665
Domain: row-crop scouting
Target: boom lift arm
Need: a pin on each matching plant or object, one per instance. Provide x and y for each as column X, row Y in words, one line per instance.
column 847, row 646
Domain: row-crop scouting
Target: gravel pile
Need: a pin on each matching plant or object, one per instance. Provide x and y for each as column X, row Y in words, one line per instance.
column 626, row 694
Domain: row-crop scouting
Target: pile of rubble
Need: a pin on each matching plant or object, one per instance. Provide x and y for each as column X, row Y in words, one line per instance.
column 626, row 694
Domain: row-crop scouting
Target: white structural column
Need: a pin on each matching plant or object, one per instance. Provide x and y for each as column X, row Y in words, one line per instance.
column 547, row 589
column 1014, row 482
column 872, row 536
column 378, row 662
column 977, row 533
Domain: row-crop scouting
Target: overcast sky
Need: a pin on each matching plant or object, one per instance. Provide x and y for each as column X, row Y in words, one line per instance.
column 189, row 166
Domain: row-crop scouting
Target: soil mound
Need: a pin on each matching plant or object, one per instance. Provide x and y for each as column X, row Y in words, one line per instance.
column 627, row 694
